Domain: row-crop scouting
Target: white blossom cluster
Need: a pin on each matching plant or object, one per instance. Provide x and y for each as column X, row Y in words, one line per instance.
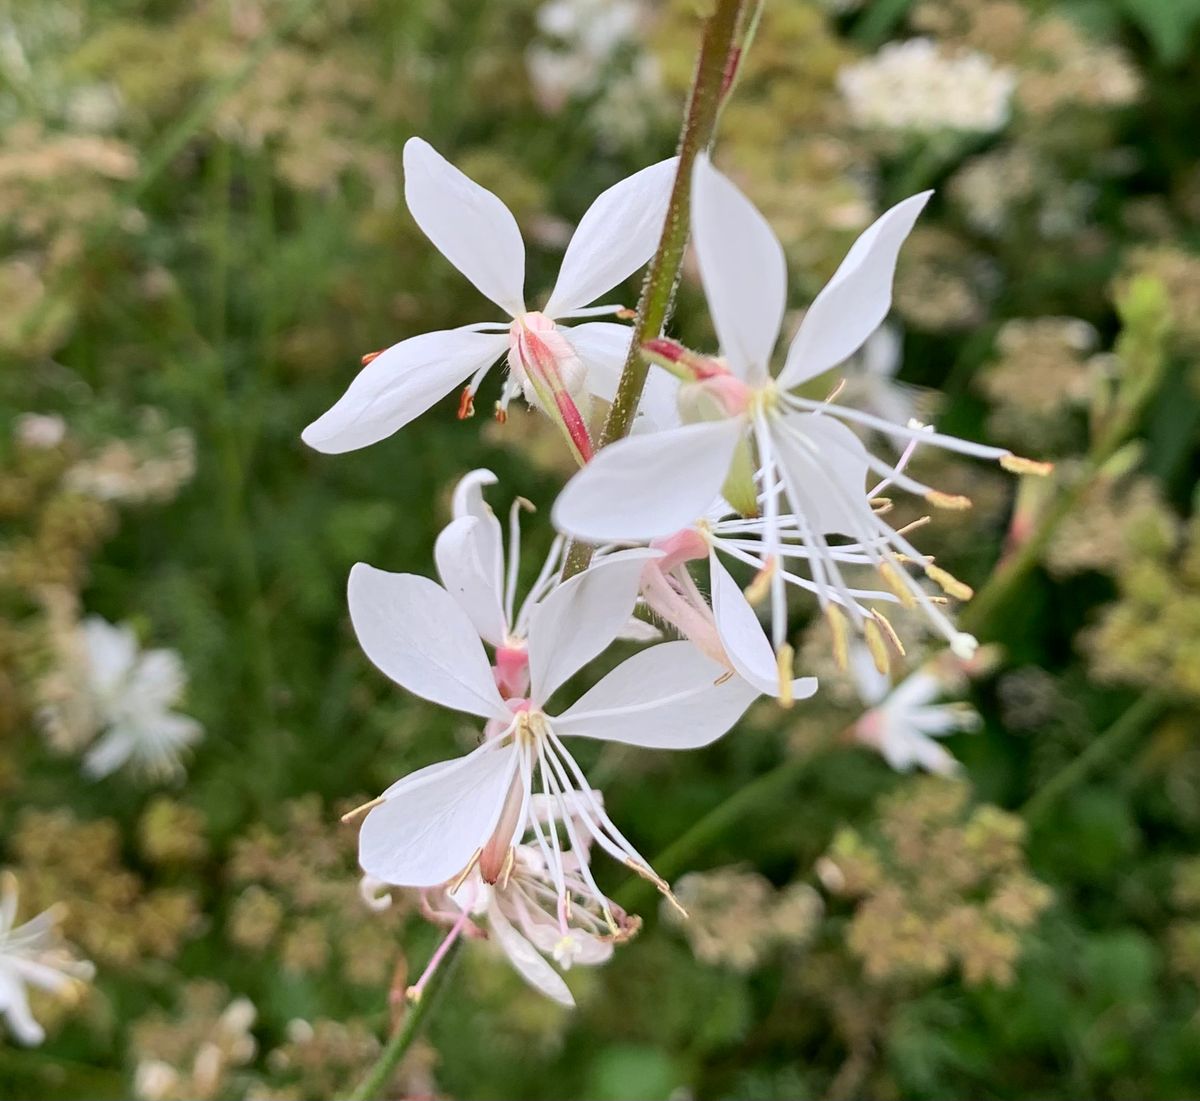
column 729, row 468
column 913, row 87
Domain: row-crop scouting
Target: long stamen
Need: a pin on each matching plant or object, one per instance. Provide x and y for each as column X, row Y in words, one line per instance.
column 413, row 993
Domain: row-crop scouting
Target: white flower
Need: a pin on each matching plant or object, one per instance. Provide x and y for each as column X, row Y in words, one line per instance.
column 441, row 819
column 523, row 912
column 808, row 475
column 553, row 364
column 39, row 430
column 911, row 86
column 902, row 722
column 132, row 693
column 32, row 955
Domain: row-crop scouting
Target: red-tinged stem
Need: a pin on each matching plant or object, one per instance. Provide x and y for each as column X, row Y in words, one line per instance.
column 716, row 69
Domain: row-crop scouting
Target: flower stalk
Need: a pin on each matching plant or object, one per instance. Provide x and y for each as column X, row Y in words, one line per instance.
column 711, row 81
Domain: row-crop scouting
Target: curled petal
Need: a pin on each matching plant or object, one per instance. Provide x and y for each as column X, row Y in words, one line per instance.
column 743, row 270
column 742, row 636
column 398, row 385
column 667, row 697
column 470, row 226
column 469, row 562
column 856, row 300
column 616, row 236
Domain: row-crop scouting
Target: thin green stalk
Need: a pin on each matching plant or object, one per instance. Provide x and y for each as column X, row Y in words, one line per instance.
column 662, row 276
column 1131, row 722
column 376, row 1079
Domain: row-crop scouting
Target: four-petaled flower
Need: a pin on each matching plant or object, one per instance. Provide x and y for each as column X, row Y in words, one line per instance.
column 554, row 365
column 740, row 419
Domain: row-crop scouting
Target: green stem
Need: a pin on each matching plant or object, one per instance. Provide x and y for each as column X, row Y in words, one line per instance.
column 376, row 1079
column 1131, row 722
column 662, row 276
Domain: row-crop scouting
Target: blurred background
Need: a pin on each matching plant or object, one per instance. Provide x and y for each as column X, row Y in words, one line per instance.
column 204, row 229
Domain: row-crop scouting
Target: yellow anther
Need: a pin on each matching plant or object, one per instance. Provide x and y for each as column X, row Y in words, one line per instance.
column 783, row 662
column 756, row 592
column 896, row 583
column 882, row 505
column 889, row 631
column 461, row 878
column 510, row 860
column 877, row 646
column 841, row 636
column 953, row 502
column 949, row 583
column 1017, row 465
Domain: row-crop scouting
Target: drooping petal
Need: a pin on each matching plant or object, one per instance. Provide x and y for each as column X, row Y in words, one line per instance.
column 416, row 633
column 471, row 227
column 616, row 236
column 856, row 300
column 824, row 467
column 648, row 485
column 432, row 821
column 742, row 636
column 667, row 697
column 398, row 385
column 742, row 268
column 526, row 959
column 468, row 563
column 580, row 618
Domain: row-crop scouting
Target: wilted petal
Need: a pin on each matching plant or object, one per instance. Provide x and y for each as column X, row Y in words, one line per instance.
column 856, row 300
column 526, row 959
column 470, row 226
column 399, row 384
column 469, row 564
column 667, row 697
column 651, row 485
column 742, row 268
column 433, row 820
column 580, row 618
column 742, row 636
column 416, row 633
column 617, row 235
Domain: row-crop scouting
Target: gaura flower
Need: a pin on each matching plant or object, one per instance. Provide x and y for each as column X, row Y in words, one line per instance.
column 436, row 822
column 522, row 913
column 769, row 450
column 32, row 955
column 132, row 693
column 903, row 721
column 554, row 365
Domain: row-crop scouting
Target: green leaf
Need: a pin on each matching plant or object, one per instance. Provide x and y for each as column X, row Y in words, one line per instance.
column 1168, row 24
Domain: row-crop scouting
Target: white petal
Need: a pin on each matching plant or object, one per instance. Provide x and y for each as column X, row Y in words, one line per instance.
column 14, row 1007
column 872, row 686
column 398, row 385
column 650, row 485
column 617, row 235
column 602, row 346
column 667, row 697
column 468, row 494
column 528, row 963
column 580, row 618
column 742, row 268
column 416, row 633
column 742, row 636
column 434, row 819
column 856, row 300
column 825, row 473
column 469, row 564
column 470, row 226
column 111, row 651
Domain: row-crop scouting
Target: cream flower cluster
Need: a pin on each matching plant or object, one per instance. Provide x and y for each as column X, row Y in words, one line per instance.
column 912, row 87
column 730, row 467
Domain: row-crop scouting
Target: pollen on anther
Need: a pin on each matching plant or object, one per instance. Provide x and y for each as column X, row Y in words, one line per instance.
column 1015, row 464
column 370, row 356
column 466, row 404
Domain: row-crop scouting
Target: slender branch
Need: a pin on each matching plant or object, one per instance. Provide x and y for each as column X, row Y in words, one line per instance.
column 1132, row 721
column 376, row 1079
column 658, row 290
